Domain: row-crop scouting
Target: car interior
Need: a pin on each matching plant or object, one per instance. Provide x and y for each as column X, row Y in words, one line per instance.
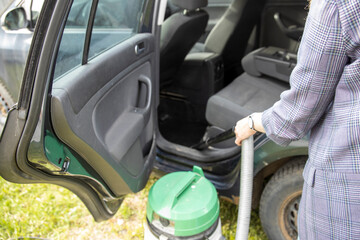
column 240, row 67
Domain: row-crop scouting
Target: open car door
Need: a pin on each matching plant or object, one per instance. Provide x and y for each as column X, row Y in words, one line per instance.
column 85, row 117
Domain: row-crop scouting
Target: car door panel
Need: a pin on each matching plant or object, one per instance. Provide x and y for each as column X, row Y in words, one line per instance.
column 119, row 59
column 293, row 16
column 89, row 111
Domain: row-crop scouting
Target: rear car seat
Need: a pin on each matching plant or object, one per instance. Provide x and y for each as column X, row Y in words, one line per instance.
column 267, row 72
column 229, row 37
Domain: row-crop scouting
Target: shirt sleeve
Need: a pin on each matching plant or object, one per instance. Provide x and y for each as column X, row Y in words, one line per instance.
column 321, row 60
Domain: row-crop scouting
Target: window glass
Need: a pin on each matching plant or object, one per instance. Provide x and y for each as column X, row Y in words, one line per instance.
column 36, row 6
column 115, row 21
column 73, row 38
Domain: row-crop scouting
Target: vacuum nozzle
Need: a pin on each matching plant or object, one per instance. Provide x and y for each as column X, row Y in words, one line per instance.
column 218, row 138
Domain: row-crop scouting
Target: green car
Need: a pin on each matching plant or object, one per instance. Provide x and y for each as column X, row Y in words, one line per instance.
column 113, row 90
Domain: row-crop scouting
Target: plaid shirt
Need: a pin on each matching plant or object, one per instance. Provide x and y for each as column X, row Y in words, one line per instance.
column 324, row 99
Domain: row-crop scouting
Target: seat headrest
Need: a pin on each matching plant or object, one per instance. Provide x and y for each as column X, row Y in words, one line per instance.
column 190, row 4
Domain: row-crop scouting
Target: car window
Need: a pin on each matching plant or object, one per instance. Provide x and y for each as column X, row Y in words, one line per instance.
column 114, row 22
column 73, row 38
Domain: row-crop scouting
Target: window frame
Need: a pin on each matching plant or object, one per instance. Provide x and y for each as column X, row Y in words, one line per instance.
column 143, row 25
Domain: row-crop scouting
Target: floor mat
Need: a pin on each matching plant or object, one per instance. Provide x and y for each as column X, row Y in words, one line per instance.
column 182, row 132
column 178, row 123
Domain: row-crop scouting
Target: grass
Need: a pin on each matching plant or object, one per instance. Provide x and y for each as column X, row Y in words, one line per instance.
column 52, row 212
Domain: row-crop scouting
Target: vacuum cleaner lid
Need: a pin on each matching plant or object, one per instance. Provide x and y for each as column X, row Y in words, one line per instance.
column 183, row 203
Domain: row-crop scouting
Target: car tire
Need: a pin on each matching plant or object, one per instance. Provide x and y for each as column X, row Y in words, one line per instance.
column 6, row 102
column 280, row 200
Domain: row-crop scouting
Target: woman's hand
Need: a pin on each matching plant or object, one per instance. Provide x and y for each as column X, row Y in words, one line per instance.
column 243, row 130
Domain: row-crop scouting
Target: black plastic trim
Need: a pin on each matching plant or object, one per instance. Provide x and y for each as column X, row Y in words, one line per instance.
column 89, row 31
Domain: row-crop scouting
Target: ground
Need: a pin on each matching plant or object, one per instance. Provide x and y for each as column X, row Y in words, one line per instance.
column 51, row 212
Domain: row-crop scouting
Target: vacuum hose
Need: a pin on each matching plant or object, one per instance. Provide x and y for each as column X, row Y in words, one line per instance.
column 246, row 179
column 246, row 185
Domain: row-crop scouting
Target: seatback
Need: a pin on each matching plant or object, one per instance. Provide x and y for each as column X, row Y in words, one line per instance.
column 230, row 35
column 179, row 33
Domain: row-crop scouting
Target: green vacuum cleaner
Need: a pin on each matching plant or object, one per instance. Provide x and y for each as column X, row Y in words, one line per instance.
column 185, row 205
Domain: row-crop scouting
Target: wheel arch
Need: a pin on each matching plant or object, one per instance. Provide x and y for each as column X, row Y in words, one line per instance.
column 262, row 176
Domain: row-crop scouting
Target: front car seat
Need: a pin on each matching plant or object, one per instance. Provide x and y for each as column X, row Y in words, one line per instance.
column 179, row 33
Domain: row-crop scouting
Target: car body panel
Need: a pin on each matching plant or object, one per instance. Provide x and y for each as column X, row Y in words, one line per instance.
column 4, row 4
column 13, row 58
column 268, row 152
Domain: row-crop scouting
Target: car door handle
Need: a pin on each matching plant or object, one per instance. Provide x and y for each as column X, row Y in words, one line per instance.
column 146, row 110
column 139, row 48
